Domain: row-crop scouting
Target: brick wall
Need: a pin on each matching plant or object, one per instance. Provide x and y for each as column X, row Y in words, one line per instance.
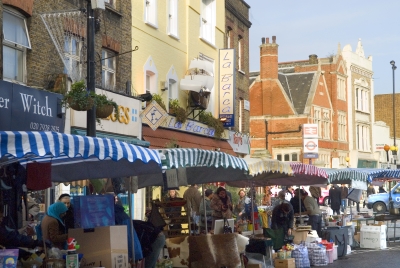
column 237, row 15
column 384, row 110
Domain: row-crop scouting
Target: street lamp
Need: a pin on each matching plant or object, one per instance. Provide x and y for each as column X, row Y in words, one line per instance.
column 347, row 160
column 394, row 148
column 387, row 148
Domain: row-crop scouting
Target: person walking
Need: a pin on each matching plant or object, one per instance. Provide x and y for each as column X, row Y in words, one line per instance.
column 240, row 206
column 193, row 199
column 335, row 199
column 345, row 192
column 313, row 212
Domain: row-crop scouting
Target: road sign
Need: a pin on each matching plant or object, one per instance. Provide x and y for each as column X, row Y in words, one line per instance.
column 310, row 146
column 310, row 131
column 310, row 155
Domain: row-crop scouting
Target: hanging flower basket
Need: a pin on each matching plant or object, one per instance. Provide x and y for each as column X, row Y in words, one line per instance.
column 80, row 106
column 104, row 111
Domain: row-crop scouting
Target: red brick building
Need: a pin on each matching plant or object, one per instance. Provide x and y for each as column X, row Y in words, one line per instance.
column 285, row 96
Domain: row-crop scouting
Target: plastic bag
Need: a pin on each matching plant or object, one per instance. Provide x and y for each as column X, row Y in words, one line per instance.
column 54, row 253
column 300, row 254
column 318, row 256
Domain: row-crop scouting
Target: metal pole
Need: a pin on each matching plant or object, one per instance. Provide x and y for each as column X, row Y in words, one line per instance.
column 91, row 114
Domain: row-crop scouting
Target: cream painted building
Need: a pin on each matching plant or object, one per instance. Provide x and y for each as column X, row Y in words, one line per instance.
column 169, row 34
column 360, row 94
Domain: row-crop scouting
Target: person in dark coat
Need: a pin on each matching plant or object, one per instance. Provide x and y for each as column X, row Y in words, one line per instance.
column 282, row 218
column 335, row 199
column 345, row 192
column 296, row 202
column 68, row 219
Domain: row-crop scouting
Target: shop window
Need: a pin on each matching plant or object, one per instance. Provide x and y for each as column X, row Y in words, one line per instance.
column 108, row 68
column 150, row 12
column 173, row 18
column 15, row 44
column 208, row 20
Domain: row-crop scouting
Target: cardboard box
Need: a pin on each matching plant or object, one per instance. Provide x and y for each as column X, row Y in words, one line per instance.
column 106, row 245
column 373, row 237
column 254, row 265
column 299, row 236
column 93, row 211
column 285, row 263
column 357, row 237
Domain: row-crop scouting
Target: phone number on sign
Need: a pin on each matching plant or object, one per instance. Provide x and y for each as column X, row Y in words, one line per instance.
column 44, row 127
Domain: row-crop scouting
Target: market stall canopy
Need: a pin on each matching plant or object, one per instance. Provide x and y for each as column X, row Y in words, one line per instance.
column 75, row 157
column 201, row 166
column 363, row 175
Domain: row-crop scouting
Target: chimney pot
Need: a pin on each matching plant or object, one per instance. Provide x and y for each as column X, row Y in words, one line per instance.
column 313, row 59
column 273, row 39
column 267, row 40
column 263, row 40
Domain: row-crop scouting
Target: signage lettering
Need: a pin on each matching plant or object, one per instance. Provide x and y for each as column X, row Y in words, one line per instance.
column 227, row 86
column 189, row 126
column 37, row 109
column 123, row 115
column 4, row 103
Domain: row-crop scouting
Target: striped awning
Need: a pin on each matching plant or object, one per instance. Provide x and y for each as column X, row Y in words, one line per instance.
column 75, row 157
column 307, row 170
column 347, row 175
column 265, row 165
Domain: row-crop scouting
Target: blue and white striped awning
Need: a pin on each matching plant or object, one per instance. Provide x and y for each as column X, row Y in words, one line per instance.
column 75, row 157
column 361, row 174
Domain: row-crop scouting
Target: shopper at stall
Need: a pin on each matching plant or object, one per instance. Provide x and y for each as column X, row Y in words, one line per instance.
column 193, row 199
column 240, row 206
column 281, row 198
column 266, row 201
column 313, row 211
column 221, row 205
column 345, row 192
column 13, row 239
column 69, row 215
column 315, row 192
column 282, row 218
column 335, row 199
column 207, row 211
column 173, row 211
column 297, row 203
column 53, row 227
column 249, row 202
column 289, row 193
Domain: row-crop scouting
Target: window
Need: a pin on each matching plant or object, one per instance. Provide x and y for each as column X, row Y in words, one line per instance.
column 172, row 80
column 16, row 41
column 108, row 67
column 287, row 157
column 228, row 38
column 342, row 123
column 150, row 12
column 150, row 76
column 326, row 124
column 279, row 157
column 173, row 18
column 317, row 120
column 294, row 157
column 240, row 51
column 208, row 14
column 341, row 85
column 111, row 3
column 363, row 136
column 241, row 103
column 72, row 53
column 362, row 99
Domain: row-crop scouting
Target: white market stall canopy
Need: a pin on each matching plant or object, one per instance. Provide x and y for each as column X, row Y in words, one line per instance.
column 75, row 157
column 202, row 166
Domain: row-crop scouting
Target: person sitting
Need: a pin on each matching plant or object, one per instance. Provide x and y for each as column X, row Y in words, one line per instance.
column 10, row 238
column 53, row 228
column 68, row 219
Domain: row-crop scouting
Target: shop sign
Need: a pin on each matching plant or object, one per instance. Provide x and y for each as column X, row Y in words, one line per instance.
column 310, row 131
column 128, row 123
column 191, row 126
column 365, row 163
column 154, row 115
column 227, row 86
column 310, row 146
column 27, row 109
column 239, row 142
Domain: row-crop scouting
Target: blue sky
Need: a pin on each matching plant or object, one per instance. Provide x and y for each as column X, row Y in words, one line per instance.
column 316, row 27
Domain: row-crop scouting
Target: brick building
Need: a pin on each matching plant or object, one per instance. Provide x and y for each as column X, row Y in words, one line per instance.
column 287, row 95
column 237, row 37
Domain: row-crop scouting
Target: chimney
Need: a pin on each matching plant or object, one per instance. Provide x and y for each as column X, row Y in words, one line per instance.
column 269, row 59
column 313, row 59
column 263, row 40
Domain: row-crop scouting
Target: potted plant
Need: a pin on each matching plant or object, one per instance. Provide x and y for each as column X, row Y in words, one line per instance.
column 159, row 100
column 208, row 119
column 177, row 110
column 105, row 106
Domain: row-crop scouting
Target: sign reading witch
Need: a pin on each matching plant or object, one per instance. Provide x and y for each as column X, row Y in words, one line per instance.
column 28, row 109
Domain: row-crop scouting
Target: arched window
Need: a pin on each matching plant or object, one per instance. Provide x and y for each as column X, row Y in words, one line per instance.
column 150, row 76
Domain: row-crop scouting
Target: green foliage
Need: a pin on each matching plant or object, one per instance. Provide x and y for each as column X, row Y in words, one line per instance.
column 159, row 100
column 208, row 119
column 173, row 143
column 175, row 108
column 101, row 100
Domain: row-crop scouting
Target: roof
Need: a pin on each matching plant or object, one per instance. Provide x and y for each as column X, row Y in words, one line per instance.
column 297, row 87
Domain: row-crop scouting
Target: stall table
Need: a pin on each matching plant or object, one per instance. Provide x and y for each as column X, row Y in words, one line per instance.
column 392, row 219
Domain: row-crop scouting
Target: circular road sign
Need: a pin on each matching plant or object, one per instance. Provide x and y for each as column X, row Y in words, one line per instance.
column 311, row 145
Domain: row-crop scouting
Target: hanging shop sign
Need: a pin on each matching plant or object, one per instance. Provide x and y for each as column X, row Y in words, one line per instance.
column 154, row 115
column 239, row 142
column 128, row 123
column 28, row 109
column 227, row 86
column 310, row 141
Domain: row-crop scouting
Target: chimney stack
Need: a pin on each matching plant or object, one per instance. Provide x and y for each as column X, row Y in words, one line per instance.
column 263, row 40
column 269, row 59
column 313, row 59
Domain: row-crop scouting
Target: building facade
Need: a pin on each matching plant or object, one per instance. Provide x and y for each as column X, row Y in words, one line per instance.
column 285, row 96
column 361, row 107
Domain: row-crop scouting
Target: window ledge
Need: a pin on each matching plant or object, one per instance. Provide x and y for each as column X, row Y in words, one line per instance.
column 173, row 36
column 242, row 72
column 113, row 10
column 151, row 24
column 208, row 42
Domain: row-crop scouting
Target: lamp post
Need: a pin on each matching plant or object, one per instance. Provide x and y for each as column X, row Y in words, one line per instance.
column 91, row 114
column 394, row 148
column 347, row 160
column 387, row 148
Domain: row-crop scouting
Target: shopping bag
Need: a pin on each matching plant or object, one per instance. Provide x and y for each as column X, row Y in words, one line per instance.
column 277, row 236
column 300, row 254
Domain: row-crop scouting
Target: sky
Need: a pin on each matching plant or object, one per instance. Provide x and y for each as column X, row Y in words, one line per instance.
column 304, row 27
